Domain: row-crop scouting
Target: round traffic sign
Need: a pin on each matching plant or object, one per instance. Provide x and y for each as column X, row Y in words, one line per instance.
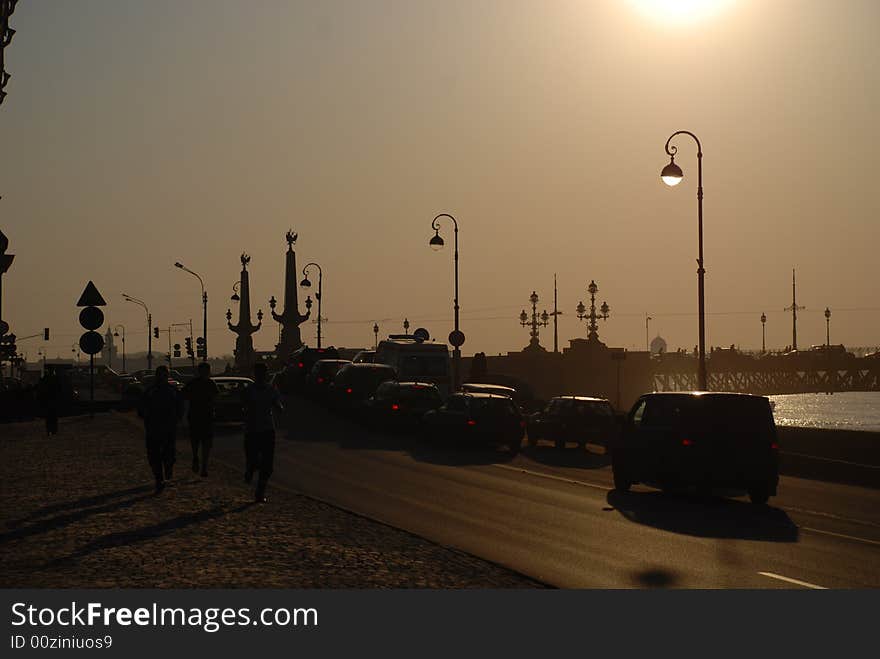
column 91, row 318
column 421, row 334
column 456, row 338
column 91, row 343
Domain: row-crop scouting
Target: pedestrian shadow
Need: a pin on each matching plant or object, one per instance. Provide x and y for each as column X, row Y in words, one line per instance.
column 705, row 517
column 568, row 457
column 60, row 521
column 85, row 502
column 152, row 532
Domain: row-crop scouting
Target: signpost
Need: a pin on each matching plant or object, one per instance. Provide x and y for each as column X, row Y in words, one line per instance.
column 91, row 342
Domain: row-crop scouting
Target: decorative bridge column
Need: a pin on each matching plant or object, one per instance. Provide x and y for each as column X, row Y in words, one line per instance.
column 244, row 344
column 290, row 319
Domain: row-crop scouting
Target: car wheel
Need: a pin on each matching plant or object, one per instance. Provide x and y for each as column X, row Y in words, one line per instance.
column 759, row 495
column 622, row 482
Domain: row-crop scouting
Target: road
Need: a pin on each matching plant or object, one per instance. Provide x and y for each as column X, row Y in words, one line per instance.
column 553, row 515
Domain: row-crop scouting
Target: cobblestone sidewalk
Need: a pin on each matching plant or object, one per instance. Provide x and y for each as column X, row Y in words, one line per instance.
column 78, row 510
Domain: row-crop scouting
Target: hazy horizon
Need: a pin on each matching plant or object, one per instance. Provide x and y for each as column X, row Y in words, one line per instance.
column 140, row 134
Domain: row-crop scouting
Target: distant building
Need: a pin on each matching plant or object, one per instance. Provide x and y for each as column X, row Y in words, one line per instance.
column 658, row 345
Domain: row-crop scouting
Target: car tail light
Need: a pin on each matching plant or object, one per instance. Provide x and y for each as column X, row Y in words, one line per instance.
column 774, row 446
column 301, row 365
column 687, row 442
column 395, row 406
column 320, row 380
column 471, row 422
column 348, row 391
column 522, row 424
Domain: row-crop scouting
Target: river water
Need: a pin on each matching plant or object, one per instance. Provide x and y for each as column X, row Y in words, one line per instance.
column 859, row 410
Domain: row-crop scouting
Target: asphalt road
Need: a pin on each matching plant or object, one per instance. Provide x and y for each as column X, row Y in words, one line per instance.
column 554, row 516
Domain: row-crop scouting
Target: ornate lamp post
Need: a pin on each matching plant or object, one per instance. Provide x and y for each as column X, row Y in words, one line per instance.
column 536, row 321
column 672, row 175
column 305, row 283
column 406, row 326
column 456, row 337
column 648, row 319
column 116, row 333
column 376, row 334
column 827, row 327
column 593, row 316
column 763, row 333
column 204, row 305
column 236, row 298
column 129, row 298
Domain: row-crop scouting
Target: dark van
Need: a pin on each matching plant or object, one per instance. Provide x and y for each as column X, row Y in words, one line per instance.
column 699, row 439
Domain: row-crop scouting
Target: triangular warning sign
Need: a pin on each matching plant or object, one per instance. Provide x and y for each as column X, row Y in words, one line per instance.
column 91, row 297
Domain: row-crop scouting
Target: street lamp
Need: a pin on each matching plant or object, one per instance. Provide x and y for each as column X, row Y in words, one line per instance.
column 204, row 305
column 305, row 283
column 763, row 333
column 235, row 297
column 593, row 317
column 129, row 298
column 116, row 333
column 537, row 320
column 648, row 319
column 376, row 334
column 827, row 327
column 406, row 326
column 672, row 175
column 456, row 338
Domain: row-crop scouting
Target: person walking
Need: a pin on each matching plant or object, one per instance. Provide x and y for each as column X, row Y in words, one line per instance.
column 49, row 394
column 161, row 407
column 260, row 402
column 201, row 393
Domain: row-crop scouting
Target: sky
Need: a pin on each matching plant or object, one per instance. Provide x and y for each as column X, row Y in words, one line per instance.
column 137, row 134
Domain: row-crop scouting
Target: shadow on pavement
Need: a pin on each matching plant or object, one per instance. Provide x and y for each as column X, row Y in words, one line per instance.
column 79, row 503
column 567, row 457
column 458, row 453
column 124, row 538
column 655, row 578
column 705, row 517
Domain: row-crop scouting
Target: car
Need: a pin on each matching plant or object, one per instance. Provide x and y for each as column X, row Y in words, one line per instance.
column 292, row 379
column 707, row 440
column 227, row 405
column 480, row 388
column 353, row 385
column 320, row 378
column 478, row 418
column 415, row 359
column 401, row 404
column 365, row 357
column 577, row 419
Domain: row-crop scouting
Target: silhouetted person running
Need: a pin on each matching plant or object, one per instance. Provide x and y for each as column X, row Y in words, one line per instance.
column 50, row 392
column 161, row 408
column 201, row 394
column 260, row 400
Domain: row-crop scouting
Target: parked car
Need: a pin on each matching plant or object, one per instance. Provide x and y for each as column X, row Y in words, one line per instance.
column 355, row 383
column 292, row 379
column 227, row 405
column 699, row 439
column 577, row 419
column 401, row 404
column 321, row 376
column 479, row 418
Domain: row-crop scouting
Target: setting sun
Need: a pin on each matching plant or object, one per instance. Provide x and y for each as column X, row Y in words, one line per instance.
column 680, row 11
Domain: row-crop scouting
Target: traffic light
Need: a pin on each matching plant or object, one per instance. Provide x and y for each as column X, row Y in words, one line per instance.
column 156, row 332
column 200, row 348
column 8, row 349
column 189, row 346
column 45, row 334
column 177, row 350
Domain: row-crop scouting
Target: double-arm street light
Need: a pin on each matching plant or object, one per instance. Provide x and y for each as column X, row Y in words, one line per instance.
column 672, row 175
column 456, row 338
column 129, row 298
column 827, row 327
column 204, row 305
column 305, row 283
column 763, row 333
column 116, row 333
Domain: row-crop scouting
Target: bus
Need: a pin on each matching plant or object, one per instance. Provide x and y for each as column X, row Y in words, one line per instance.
column 416, row 360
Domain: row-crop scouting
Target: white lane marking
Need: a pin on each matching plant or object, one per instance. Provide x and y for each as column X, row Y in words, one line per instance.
column 843, row 462
column 797, row 582
column 561, row 479
column 840, row 518
column 841, row 535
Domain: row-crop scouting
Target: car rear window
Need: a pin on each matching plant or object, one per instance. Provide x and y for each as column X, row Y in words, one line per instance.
column 423, row 365
column 716, row 413
column 492, row 406
column 418, row 393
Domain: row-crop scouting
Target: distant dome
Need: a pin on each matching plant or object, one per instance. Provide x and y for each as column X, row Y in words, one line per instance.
column 658, row 345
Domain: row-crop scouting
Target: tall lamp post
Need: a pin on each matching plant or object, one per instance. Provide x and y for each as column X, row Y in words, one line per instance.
column 648, row 319
column 763, row 333
column 376, row 335
column 204, row 304
column 593, row 317
column 827, row 327
column 537, row 320
column 456, row 337
column 129, row 298
column 116, row 333
column 305, row 283
column 672, row 175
